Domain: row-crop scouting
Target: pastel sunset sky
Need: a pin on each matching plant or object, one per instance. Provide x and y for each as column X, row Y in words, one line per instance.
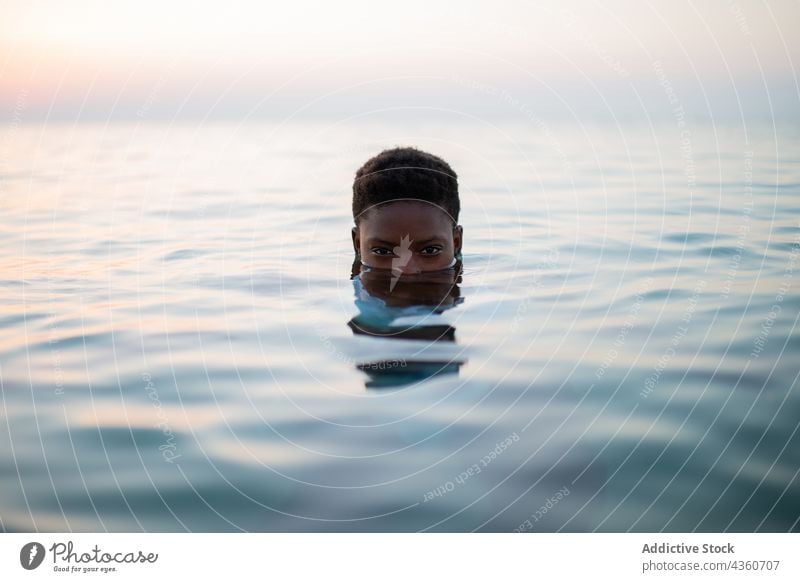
column 101, row 60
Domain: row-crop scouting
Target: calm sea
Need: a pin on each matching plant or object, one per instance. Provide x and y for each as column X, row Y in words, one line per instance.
column 177, row 349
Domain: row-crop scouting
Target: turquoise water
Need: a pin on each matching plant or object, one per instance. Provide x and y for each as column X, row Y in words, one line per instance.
column 181, row 350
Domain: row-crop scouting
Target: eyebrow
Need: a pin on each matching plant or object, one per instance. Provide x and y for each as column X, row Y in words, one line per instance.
column 373, row 241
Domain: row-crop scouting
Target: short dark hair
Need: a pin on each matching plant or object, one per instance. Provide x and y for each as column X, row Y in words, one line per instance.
column 405, row 172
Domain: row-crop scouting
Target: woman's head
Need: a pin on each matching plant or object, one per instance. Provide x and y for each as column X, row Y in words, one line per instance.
column 405, row 207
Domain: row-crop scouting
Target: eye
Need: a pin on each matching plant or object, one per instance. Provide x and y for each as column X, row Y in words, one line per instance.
column 432, row 250
column 382, row 252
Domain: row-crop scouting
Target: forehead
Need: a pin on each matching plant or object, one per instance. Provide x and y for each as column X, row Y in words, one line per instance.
column 405, row 217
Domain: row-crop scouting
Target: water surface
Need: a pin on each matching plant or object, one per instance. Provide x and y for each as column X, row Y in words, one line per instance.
column 178, row 349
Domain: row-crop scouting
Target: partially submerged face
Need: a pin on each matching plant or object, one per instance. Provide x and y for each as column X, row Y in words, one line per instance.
column 408, row 237
column 438, row 288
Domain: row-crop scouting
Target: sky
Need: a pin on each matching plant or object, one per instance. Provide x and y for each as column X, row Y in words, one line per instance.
column 87, row 60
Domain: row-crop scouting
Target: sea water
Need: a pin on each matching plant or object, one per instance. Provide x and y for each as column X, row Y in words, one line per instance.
column 177, row 350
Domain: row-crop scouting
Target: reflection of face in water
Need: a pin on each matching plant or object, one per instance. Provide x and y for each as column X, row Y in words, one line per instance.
column 405, row 308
